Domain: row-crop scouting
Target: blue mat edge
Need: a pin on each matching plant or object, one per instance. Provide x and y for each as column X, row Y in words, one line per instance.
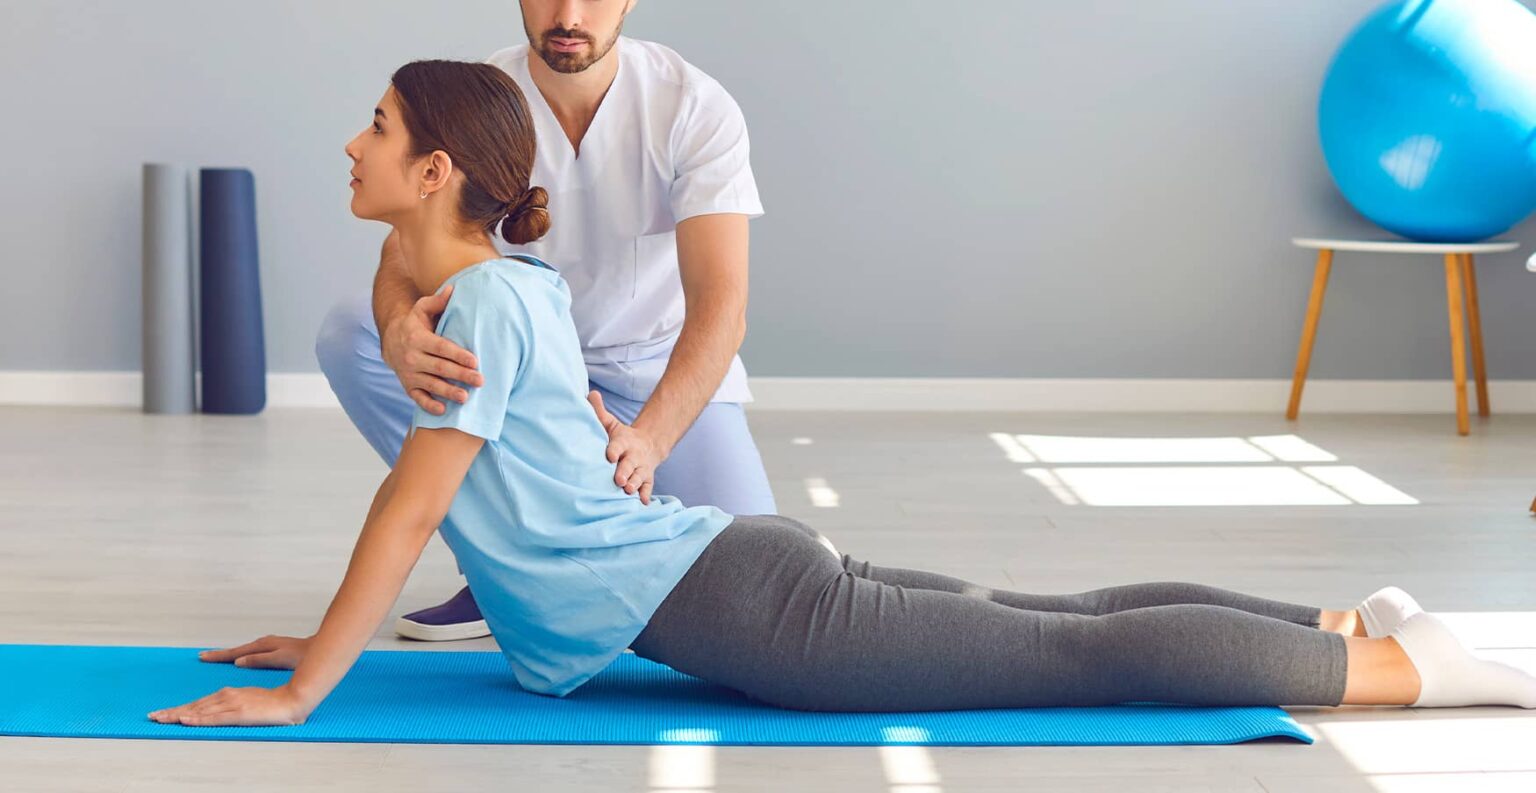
column 1299, row 737
column 1287, row 727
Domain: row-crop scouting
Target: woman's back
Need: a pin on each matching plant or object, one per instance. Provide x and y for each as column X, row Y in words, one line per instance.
column 566, row 566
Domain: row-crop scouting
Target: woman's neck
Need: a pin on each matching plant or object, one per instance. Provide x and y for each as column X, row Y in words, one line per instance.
column 432, row 255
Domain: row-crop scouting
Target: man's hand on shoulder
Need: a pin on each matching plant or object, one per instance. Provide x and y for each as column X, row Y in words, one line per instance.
column 425, row 361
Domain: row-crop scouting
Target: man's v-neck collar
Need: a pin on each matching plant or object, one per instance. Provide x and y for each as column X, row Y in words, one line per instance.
column 567, row 154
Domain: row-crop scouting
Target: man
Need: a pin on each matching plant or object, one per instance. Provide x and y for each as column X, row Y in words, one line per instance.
column 645, row 158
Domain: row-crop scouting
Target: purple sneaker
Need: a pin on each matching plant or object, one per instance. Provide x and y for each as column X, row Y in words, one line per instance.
column 459, row 618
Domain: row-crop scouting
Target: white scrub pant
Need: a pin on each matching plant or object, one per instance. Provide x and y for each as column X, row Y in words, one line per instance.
column 715, row 463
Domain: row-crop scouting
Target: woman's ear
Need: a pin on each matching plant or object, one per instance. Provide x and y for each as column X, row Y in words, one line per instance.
column 438, row 171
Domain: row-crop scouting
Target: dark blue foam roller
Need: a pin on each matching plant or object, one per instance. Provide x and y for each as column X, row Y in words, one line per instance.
column 233, row 354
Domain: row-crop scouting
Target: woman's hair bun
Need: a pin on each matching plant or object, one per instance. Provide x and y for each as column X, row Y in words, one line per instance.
column 528, row 219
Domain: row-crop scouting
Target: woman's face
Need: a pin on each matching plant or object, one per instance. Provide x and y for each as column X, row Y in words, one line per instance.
column 384, row 185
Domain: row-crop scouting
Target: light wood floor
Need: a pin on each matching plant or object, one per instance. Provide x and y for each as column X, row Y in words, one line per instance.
column 117, row 527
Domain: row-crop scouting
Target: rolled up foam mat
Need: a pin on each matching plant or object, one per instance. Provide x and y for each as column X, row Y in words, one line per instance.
column 233, row 354
column 167, row 263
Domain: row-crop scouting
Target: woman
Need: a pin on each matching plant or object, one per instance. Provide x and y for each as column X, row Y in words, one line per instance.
column 569, row 569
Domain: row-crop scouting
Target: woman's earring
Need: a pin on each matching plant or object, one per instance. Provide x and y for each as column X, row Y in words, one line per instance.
column 423, row 194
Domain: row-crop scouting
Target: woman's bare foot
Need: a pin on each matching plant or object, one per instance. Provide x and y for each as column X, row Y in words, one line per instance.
column 1347, row 623
column 1377, row 617
column 1379, row 673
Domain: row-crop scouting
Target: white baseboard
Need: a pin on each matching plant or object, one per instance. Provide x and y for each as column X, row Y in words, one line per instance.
column 309, row 389
column 1128, row 395
column 126, row 389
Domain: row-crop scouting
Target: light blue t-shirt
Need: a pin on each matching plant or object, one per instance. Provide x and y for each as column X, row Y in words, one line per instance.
column 566, row 567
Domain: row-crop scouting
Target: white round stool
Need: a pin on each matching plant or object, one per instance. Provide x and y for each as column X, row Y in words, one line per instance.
column 1460, row 277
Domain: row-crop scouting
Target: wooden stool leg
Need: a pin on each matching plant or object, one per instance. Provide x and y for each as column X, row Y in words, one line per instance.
column 1475, row 326
column 1458, row 343
column 1309, row 329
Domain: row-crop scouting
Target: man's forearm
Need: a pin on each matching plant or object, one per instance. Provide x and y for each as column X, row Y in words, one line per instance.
column 393, row 290
column 699, row 361
column 712, row 262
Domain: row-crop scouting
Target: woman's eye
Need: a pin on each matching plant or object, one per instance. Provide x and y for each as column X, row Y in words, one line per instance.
column 376, row 128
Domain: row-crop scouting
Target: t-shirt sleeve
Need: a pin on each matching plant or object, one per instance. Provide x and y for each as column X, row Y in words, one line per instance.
column 502, row 58
column 712, row 171
column 486, row 317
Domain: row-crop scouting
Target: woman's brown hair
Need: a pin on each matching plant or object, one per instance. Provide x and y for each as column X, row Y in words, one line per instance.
column 476, row 113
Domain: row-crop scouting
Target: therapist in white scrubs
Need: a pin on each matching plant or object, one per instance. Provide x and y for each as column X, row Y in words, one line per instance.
column 645, row 159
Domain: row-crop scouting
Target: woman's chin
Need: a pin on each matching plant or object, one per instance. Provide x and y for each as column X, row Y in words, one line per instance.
column 360, row 212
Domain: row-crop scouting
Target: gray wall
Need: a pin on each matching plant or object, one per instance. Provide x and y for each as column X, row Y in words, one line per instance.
column 1073, row 188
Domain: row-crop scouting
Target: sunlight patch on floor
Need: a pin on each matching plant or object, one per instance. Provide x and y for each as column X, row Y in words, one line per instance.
column 1436, row 741
column 1196, row 486
column 821, row 494
column 1492, row 629
column 1238, row 471
column 677, row 767
column 908, row 769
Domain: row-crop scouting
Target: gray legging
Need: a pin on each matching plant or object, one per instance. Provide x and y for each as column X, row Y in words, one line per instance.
column 769, row 611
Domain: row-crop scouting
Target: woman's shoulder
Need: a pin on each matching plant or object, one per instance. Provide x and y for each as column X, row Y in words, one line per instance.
column 502, row 272
column 481, row 288
column 509, row 285
column 517, row 274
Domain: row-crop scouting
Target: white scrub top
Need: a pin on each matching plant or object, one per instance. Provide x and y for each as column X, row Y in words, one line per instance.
column 668, row 143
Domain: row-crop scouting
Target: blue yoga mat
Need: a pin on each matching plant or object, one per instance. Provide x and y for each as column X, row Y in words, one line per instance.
column 233, row 353
column 401, row 696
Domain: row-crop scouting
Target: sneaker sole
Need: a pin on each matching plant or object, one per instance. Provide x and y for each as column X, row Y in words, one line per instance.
column 458, row 631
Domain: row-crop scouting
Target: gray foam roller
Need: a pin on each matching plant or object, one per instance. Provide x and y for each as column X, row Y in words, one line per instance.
column 169, row 385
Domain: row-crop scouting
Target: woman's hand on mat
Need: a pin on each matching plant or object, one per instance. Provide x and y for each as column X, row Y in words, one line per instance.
column 268, row 652
column 240, row 707
column 425, row 361
column 634, row 453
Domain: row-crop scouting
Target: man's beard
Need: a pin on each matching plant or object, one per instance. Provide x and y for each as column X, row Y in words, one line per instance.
column 573, row 62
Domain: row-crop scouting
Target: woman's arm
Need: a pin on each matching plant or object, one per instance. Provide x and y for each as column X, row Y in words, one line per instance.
column 406, row 511
column 426, row 476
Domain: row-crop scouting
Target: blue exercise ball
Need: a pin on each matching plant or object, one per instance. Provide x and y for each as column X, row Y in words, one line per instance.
column 1428, row 118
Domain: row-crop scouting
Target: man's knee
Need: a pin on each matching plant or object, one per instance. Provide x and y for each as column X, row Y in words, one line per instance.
column 346, row 331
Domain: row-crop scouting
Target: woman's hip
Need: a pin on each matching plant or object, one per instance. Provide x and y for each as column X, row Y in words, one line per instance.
column 758, row 571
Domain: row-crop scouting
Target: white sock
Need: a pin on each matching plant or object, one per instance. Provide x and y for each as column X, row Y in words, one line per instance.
column 1383, row 611
column 1451, row 677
